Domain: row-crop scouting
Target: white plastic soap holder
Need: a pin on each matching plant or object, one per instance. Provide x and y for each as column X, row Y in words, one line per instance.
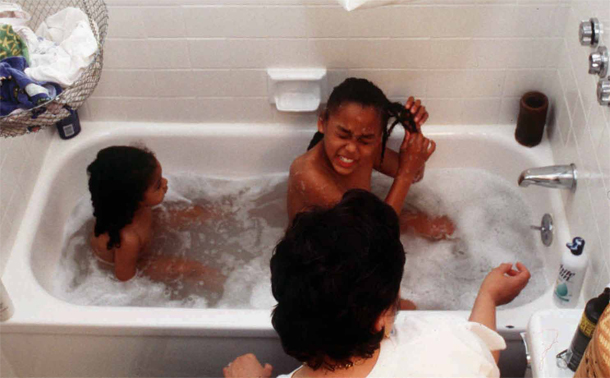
column 296, row 90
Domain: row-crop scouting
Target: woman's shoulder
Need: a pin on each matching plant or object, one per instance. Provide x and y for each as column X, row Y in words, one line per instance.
column 428, row 340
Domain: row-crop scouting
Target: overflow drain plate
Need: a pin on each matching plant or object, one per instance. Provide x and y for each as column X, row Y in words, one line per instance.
column 546, row 229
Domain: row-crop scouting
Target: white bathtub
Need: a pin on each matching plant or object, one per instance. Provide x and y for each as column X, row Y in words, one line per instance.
column 49, row 337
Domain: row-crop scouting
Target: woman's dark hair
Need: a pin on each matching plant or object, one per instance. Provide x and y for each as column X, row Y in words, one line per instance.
column 365, row 93
column 118, row 179
column 333, row 274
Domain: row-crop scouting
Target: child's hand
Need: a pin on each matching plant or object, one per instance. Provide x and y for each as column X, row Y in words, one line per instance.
column 503, row 283
column 420, row 113
column 247, row 366
column 414, row 152
column 421, row 116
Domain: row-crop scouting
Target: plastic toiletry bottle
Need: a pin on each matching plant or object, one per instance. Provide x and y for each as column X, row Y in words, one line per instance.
column 6, row 305
column 593, row 311
column 69, row 127
column 571, row 274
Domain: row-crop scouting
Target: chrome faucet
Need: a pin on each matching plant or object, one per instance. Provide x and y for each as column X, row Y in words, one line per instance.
column 554, row 176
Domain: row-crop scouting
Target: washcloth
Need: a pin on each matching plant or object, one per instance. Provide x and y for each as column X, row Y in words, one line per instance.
column 18, row 91
column 65, row 47
column 11, row 43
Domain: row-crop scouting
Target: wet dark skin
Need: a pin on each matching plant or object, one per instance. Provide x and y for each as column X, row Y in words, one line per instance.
column 133, row 254
column 347, row 156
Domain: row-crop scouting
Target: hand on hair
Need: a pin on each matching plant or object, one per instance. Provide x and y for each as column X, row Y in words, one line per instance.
column 420, row 115
column 414, row 152
column 504, row 283
column 247, row 366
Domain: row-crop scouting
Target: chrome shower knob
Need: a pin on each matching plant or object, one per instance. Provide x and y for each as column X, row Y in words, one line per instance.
column 589, row 32
column 603, row 92
column 598, row 62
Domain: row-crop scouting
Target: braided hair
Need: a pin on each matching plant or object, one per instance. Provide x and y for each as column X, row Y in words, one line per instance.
column 118, row 179
column 365, row 93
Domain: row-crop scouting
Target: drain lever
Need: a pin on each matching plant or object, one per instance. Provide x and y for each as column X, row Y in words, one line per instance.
column 546, row 229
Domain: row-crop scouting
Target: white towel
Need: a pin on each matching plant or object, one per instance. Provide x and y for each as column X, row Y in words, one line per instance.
column 64, row 49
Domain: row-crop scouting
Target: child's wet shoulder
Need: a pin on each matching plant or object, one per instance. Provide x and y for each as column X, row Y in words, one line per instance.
column 305, row 166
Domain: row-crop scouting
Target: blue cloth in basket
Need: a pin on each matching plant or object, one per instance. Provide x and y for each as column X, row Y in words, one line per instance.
column 18, row 91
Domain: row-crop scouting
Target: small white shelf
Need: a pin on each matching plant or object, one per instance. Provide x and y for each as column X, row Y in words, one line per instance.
column 296, row 89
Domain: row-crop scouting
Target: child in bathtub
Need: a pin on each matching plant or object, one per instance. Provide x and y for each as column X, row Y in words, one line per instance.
column 125, row 184
column 351, row 142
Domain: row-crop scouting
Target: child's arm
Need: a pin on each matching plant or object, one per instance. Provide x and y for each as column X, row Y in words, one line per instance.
column 389, row 165
column 126, row 257
column 414, row 152
column 499, row 287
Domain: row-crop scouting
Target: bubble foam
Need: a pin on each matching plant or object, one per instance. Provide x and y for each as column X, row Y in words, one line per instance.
column 492, row 226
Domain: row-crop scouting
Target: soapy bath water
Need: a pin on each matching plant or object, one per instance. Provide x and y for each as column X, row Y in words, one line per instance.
column 492, row 223
column 249, row 218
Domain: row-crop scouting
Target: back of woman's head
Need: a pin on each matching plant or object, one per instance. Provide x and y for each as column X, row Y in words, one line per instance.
column 333, row 274
column 118, row 178
column 365, row 93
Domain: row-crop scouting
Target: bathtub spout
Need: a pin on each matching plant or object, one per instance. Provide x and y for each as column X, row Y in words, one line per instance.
column 554, row 176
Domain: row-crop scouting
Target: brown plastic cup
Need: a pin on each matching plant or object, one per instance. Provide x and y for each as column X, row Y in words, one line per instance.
column 532, row 118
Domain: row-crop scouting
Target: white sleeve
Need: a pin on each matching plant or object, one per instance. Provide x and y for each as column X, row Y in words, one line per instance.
column 492, row 339
column 444, row 349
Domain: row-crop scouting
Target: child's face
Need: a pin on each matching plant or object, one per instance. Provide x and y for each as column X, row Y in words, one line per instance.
column 352, row 136
column 156, row 191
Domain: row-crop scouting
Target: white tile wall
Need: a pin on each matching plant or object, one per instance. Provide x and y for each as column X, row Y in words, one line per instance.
column 580, row 133
column 20, row 162
column 481, row 52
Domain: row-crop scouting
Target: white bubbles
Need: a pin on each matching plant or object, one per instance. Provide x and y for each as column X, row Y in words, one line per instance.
column 492, row 226
column 246, row 218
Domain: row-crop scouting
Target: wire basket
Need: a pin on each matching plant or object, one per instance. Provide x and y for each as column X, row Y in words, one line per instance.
column 71, row 97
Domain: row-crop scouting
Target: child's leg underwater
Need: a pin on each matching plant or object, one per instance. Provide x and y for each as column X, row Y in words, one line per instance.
column 161, row 268
column 436, row 228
